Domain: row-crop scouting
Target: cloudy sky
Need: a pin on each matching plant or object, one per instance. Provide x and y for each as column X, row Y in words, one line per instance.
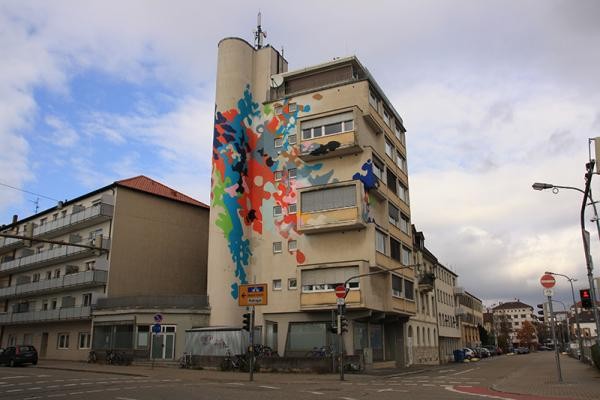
column 495, row 96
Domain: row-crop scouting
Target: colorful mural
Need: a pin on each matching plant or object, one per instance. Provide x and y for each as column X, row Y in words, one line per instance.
column 369, row 180
column 244, row 186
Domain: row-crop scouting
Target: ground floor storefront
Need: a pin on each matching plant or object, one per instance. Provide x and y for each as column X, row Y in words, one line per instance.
column 447, row 347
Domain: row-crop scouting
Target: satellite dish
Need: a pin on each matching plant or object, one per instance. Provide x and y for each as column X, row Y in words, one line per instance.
column 276, row 81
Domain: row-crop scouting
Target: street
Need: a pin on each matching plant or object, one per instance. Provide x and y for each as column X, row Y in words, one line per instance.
column 491, row 377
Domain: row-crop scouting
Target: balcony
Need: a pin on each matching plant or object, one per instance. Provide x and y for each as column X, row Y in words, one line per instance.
column 374, row 120
column 339, row 144
column 459, row 290
column 79, row 219
column 344, row 219
column 63, row 314
column 426, row 282
column 7, row 244
column 49, row 257
column 327, row 300
column 77, row 280
column 153, row 302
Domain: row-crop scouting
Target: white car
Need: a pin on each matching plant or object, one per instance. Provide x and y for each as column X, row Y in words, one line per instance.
column 469, row 353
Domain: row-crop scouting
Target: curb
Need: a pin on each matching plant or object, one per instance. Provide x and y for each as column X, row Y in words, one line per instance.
column 93, row 371
column 495, row 389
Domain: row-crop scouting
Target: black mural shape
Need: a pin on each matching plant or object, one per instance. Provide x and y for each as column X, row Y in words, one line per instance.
column 324, row 149
column 251, row 216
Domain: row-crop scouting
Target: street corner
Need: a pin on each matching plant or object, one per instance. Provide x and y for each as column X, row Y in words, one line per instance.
column 495, row 394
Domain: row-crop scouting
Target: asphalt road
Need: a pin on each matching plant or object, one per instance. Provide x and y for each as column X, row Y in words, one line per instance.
column 446, row 382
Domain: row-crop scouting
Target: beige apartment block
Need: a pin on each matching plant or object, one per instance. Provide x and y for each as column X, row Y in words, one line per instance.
column 449, row 329
column 515, row 313
column 470, row 315
column 146, row 254
column 423, row 344
column 309, row 188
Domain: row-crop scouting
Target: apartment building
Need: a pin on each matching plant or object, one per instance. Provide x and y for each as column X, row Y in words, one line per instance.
column 515, row 313
column 309, row 189
column 423, row 346
column 448, row 325
column 144, row 253
column 470, row 315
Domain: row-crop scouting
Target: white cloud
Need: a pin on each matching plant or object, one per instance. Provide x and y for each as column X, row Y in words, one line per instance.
column 63, row 134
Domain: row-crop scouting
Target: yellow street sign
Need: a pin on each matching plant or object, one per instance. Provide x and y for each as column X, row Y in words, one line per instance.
column 253, row 295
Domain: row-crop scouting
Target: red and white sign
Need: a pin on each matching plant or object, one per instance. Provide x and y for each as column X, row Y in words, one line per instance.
column 340, row 291
column 547, row 281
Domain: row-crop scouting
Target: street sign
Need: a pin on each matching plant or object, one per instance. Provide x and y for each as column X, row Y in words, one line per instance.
column 253, row 295
column 341, row 301
column 548, row 292
column 340, row 291
column 156, row 328
column 158, row 318
column 547, row 281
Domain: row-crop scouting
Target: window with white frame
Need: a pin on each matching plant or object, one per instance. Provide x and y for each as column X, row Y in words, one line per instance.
column 386, row 117
column 292, row 139
column 378, row 168
column 278, row 109
column 402, row 192
column 278, row 175
column 35, row 277
column 399, row 132
column 329, row 125
column 380, row 241
column 327, row 279
column 292, row 284
column 84, row 341
column 278, row 142
column 277, row 247
column 57, row 273
column 292, row 173
column 400, row 161
column 395, row 249
column 292, row 208
column 397, row 285
column 63, row 341
column 392, row 180
column 393, row 214
column 329, row 199
column 292, row 245
column 276, row 284
column 406, row 255
column 292, row 107
column 86, row 299
column 373, row 99
column 389, row 149
column 404, row 223
column 276, row 211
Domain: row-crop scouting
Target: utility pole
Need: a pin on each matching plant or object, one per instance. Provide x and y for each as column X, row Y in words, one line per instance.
column 556, row 353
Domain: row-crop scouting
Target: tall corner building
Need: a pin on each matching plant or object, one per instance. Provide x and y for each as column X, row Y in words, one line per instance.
column 309, row 188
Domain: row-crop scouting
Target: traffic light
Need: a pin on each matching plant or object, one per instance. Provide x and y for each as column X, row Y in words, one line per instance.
column 246, row 322
column 586, row 298
column 333, row 328
column 343, row 324
column 540, row 312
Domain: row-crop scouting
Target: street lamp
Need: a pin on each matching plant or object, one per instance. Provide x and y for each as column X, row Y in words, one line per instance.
column 584, row 234
column 556, row 320
column 571, row 280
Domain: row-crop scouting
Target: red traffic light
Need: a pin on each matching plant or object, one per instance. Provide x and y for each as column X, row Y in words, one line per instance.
column 585, row 294
column 586, row 298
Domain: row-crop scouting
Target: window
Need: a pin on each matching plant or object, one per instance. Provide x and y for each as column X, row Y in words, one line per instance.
column 391, row 181
column 278, row 175
column 278, row 142
column 292, row 284
column 399, row 132
column 292, row 139
column 292, row 107
column 393, row 214
column 96, row 203
column 89, row 266
column 378, row 168
column 278, row 109
column 53, row 304
column 35, row 277
column 95, row 233
column 292, row 208
column 86, row 299
column 63, row 213
column 28, row 338
column 71, row 269
column 292, row 173
column 326, row 279
column 406, row 256
column 277, row 247
column 292, row 245
column 84, row 340
column 12, row 340
column 404, row 223
column 329, row 125
column 396, row 286
column 402, row 192
column 389, row 149
column 63, row 341
column 329, row 199
column 43, row 221
column 143, row 332
column 409, row 290
column 523, row 316
column 54, row 216
column 395, row 249
column 276, row 284
column 373, row 99
column 45, row 305
column 277, row 211
column 400, row 161
column 56, row 273
column 386, row 117
column 380, row 239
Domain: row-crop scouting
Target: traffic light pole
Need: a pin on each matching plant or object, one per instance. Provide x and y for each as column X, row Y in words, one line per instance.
column 557, row 355
column 251, row 348
column 340, row 318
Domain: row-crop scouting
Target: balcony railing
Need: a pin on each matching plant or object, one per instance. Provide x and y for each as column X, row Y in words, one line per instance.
column 335, row 145
column 426, row 282
column 62, row 314
column 87, row 216
column 80, row 279
column 157, row 301
column 7, row 244
column 49, row 257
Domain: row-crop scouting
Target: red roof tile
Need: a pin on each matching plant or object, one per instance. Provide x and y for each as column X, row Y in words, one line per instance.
column 145, row 184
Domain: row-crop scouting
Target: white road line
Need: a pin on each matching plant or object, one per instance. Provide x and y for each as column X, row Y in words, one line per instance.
column 235, row 383
column 32, row 398
column 428, row 384
column 53, row 386
column 348, row 398
column 35, row 388
column 86, row 383
column 14, row 390
column 411, row 384
column 94, row 391
column 70, row 384
column 464, row 372
column 14, row 377
column 112, row 389
column 268, row 387
column 317, row 393
column 74, row 393
column 57, row 395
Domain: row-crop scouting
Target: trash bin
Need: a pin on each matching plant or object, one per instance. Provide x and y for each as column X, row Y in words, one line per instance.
column 459, row 355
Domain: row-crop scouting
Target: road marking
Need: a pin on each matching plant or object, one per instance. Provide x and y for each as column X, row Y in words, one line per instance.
column 464, row 372
column 428, row 384
column 35, row 388
column 70, row 384
column 348, row 398
column 268, row 387
column 235, row 383
column 53, row 386
column 317, row 393
column 14, row 377
column 14, row 390
column 94, row 391
column 32, row 398
column 112, row 389
column 74, row 393
column 411, row 384
column 43, row 376
column 124, row 398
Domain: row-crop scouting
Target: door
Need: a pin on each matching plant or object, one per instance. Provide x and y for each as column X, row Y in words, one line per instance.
column 163, row 344
column 44, row 345
column 376, row 339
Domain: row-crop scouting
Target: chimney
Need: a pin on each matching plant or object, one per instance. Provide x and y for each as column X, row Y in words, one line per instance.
column 15, row 218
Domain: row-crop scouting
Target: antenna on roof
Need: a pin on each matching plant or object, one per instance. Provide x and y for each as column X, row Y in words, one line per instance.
column 259, row 35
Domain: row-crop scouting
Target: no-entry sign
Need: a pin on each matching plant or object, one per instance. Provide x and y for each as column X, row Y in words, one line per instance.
column 547, row 281
column 340, row 291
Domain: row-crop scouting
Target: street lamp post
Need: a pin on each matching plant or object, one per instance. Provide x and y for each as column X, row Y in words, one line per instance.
column 584, row 234
column 567, row 315
column 578, row 333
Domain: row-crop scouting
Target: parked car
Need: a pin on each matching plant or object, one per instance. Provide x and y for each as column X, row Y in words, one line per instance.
column 491, row 349
column 18, row 355
column 483, row 352
column 544, row 348
column 499, row 351
column 522, row 350
column 469, row 353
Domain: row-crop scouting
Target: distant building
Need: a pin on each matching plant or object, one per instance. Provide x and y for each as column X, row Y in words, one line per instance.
column 516, row 312
column 470, row 315
column 147, row 256
column 448, row 322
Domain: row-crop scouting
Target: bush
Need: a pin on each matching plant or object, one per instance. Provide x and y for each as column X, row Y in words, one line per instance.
column 596, row 355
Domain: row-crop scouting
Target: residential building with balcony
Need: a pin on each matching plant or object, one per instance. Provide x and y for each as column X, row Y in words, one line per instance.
column 470, row 315
column 515, row 313
column 448, row 323
column 93, row 271
column 309, row 189
column 423, row 345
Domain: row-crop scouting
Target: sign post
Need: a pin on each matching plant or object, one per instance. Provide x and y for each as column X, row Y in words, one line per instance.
column 548, row 283
column 340, row 292
column 251, row 296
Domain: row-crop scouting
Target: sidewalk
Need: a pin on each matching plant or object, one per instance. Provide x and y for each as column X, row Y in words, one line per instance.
column 538, row 376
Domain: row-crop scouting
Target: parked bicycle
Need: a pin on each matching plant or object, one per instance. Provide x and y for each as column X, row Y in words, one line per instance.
column 117, row 358
column 185, row 361
column 231, row 363
column 92, row 357
column 261, row 351
column 320, row 352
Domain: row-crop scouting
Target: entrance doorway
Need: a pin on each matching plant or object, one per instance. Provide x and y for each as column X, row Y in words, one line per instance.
column 44, row 345
column 163, row 343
